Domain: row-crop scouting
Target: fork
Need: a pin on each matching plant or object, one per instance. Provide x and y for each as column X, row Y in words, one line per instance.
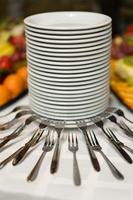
column 17, row 131
column 18, row 157
column 83, row 127
column 117, row 146
column 119, row 142
column 24, row 107
column 12, row 156
column 97, row 147
column 73, row 147
column 117, row 111
column 11, row 123
column 59, row 127
column 122, row 125
column 47, row 147
column 121, row 113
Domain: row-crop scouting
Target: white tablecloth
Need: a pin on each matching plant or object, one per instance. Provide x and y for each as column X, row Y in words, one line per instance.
column 95, row 185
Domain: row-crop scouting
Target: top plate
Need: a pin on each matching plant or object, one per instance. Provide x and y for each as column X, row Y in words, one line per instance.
column 67, row 20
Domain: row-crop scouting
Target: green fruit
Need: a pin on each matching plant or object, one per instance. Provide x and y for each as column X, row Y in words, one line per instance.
column 128, row 60
column 130, row 81
column 130, row 40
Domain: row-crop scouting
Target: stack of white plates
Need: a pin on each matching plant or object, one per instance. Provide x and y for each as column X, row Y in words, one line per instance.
column 68, row 63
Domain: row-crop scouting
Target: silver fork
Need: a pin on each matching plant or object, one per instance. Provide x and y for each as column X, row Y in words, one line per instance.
column 73, row 147
column 12, row 122
column 124, row 154
column 17, row 131
column 119, row 142
column 97, row 147
column 83, row 127
column 17, row 108
column 48, row 146
column 58, row 126
column 119, row 112
column 122, row 125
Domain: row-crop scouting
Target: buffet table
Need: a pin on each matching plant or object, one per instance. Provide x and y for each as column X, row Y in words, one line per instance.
column 95, row 185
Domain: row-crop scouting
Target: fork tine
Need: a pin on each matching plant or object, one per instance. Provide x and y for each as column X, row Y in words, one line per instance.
column 89, row 139
column 69, row 140
column 76, row 141
column 112, row 134
column 96, row 139
column 92, row 140
column 123, row 123
column 73, row 139
column 108, row 132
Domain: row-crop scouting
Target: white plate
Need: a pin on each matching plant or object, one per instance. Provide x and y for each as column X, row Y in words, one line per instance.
column 67, row 20
column 68, row 111
column 63, row 42
column 90, row 75
column 73, row 65
column 106, row 55
column 67, row 37
column 73, row 117
column 43, row 54
column 43, row 99
column 61, row 99
column 67, row 78
column 70, row 70
column 96, row 65
column 69, row 96
column 66, row 92
column 90, row 84
column 68, row 88
column 68, row 81
column 69, row 50
column 68, row 32
column 67, row 59
column 68, row 46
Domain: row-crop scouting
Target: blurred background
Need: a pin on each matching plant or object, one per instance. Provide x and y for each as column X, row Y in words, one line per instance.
column 121, row 11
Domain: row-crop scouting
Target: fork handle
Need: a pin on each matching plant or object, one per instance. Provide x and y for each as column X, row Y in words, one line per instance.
column 55, row 159
column 113, row 169
column 122, row 152
column 34, row 172
column 9, row 158
column 76, row 173
column 128, row 149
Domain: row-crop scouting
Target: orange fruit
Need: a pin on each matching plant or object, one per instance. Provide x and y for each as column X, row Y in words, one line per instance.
column 23, row 73
column 15, row 84
column 5, row 95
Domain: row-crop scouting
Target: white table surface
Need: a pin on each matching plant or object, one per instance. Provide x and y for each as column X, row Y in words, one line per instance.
column 95, row 185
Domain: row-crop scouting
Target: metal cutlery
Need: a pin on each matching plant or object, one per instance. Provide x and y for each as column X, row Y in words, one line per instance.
column 11, row 123
column 73, row 147
column 83, row 127
column 19, row 156
column 10, row 157
column 48, row 146
column 117, row 146
column 119, row 142
column 97, row 147
column 56, row 155
column 122, row 125
column 17, row 131
column 15, row 110
column 119, row 112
